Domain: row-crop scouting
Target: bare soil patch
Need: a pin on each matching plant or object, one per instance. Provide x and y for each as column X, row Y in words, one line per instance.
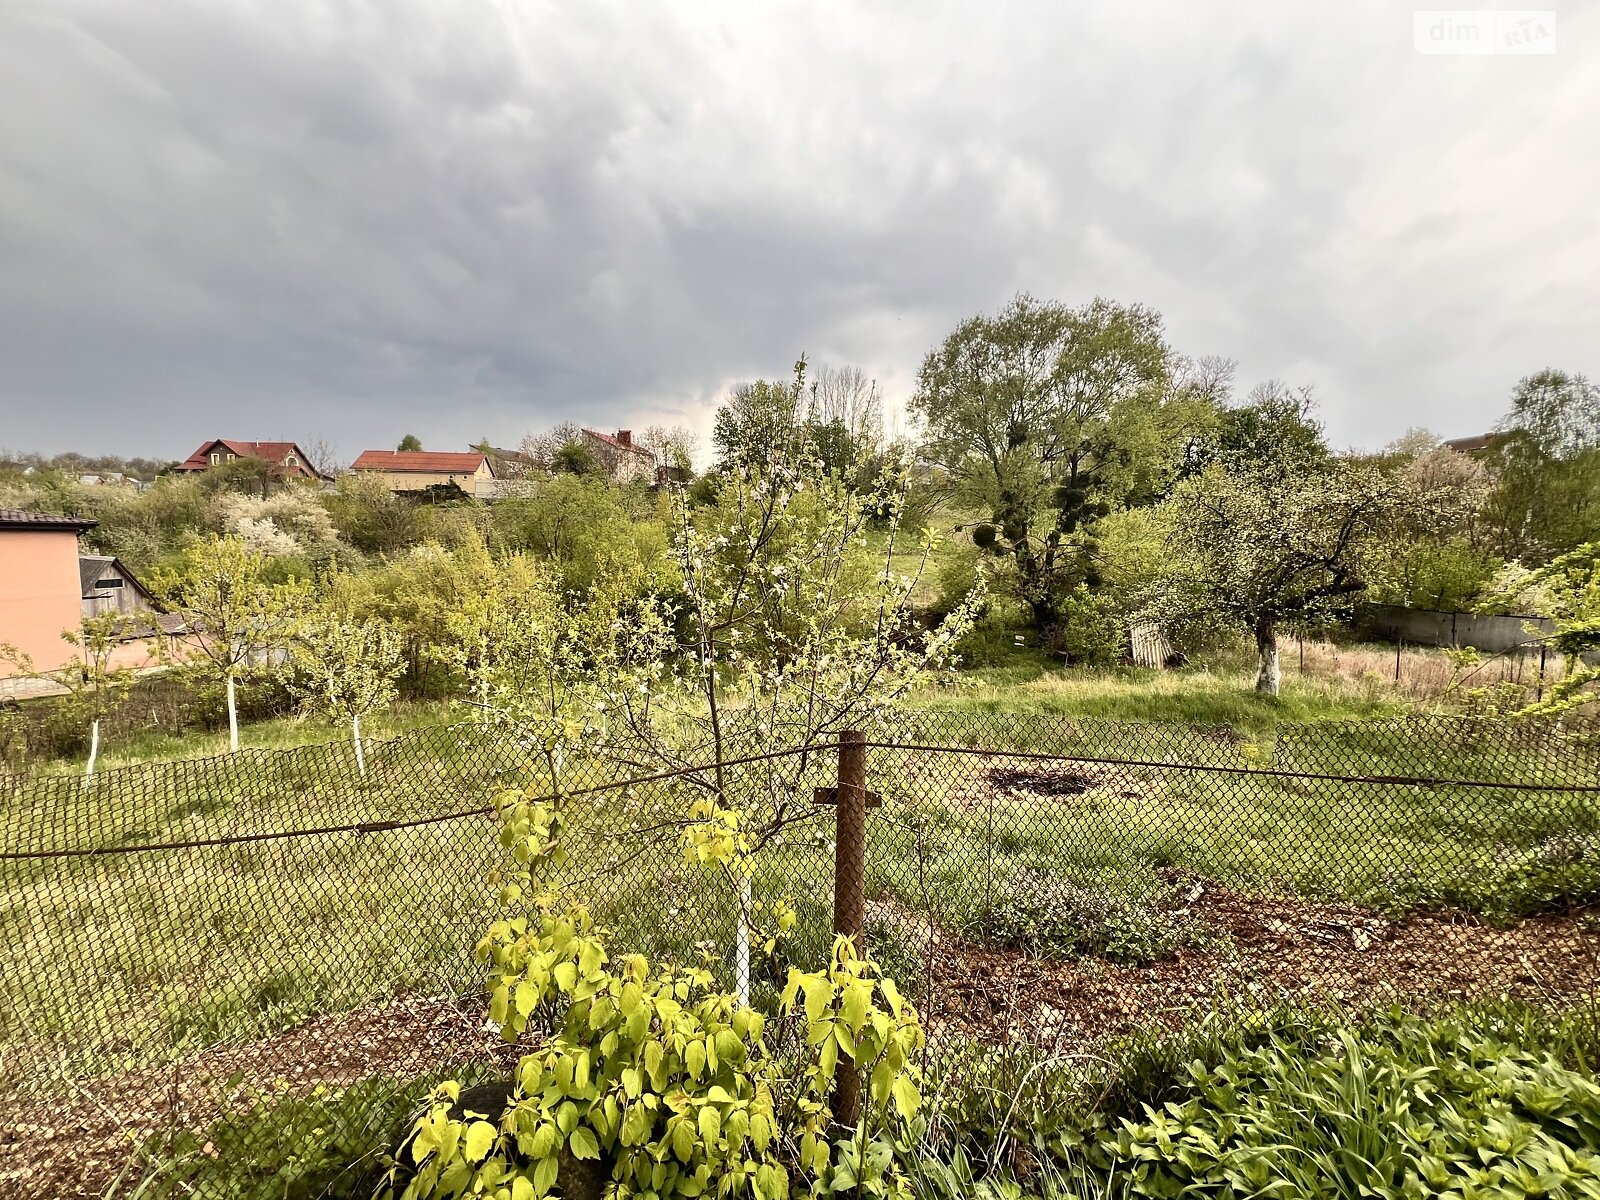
column 1271, row 949
column 78, row 1147
column 1041, row 781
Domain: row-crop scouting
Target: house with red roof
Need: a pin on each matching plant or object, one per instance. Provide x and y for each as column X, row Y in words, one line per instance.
column 417, row 470
column 285, row 455
column 623, row 458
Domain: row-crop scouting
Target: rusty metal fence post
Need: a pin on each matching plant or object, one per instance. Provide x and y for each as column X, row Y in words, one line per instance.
column 850, row 887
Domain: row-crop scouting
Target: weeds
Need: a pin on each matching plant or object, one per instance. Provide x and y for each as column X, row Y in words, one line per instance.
column 1053, row 917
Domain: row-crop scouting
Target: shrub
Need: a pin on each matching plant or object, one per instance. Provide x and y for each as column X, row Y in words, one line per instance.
column 1560, row 873
column 1402, row 1109
column 1048, row 915
column 663, row 1082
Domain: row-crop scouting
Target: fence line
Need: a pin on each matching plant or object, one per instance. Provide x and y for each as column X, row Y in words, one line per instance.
column 1041, row 883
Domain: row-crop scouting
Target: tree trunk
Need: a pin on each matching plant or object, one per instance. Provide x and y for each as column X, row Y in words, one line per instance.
column 361, row 761
column 1267, row 676
column 741, row 944
column 233, row 716
column 94, row 749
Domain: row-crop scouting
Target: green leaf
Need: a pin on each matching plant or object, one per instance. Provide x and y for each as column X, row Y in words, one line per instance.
column 683, row 1141
column 710, row 1124
column 480, row 1137
column 906, row 1097
column 544, row 1175
column 583, row 1143
column 527, row 998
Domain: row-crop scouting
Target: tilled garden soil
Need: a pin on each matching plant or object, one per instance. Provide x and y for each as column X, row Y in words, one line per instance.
column 1270, row 950
column 80, row 1147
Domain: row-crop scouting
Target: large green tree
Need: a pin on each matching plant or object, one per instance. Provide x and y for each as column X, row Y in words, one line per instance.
column 1047, row 417
column 1261, row 547
column 1546, row 456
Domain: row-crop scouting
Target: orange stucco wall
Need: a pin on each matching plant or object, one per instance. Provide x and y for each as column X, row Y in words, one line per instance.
column 39, row 594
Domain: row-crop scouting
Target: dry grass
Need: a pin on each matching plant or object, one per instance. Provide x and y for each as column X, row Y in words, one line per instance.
column 1423, row 674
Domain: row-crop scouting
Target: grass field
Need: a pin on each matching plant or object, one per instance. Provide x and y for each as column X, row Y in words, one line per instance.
column 121, row 960
column 1338, row 683
column 120, row 963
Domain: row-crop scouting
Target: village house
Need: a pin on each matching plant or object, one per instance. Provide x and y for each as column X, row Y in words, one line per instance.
column 285, row 455
column 623, row 459
column 417, row 470
column 40, row 592
column 47, row 588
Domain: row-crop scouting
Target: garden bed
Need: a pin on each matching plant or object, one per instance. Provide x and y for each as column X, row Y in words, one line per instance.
column 81, row 1146
column 1264, row 950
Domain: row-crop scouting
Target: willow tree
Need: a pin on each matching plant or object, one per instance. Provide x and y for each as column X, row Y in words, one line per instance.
column 1049, row 417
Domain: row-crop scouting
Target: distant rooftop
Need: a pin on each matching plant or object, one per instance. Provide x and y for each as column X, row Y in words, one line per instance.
column 1470, row 445
column 433, row 462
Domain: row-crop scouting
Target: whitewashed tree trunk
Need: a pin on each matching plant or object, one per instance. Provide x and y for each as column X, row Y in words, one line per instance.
column 233, row 716
column 741, row 944
column 1268, row 676
column 94, row 748
column 361, row 760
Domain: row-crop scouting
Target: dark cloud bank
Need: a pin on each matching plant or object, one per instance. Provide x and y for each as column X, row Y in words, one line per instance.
column 353, row 221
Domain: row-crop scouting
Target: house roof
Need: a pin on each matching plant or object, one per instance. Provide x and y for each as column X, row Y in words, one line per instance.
column 432, row 462
column 16, row 518
column 514, row 457
column 618, row 444
column 271, row 451
column 1478, row 441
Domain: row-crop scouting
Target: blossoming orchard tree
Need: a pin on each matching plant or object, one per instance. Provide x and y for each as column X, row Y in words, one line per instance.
column 789, row 632
column 1572, row 585
column 346, row 667
column 238, row 623
column 1258, row 548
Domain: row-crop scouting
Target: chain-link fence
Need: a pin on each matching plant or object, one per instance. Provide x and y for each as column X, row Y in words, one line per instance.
column 239, row 976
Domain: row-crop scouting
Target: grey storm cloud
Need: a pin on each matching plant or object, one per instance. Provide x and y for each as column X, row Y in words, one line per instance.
column 352, row 221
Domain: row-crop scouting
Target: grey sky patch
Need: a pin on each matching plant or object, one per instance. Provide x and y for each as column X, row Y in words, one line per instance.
column 309, row 219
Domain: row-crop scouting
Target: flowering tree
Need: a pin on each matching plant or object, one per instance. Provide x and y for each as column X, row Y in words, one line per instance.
column 238, row 624
column 789, row 632
column 1571, row 587
column 346, row 667
column 1255, row 549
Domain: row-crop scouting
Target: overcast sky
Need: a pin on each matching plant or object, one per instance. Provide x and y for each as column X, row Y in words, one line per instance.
column 290, row 219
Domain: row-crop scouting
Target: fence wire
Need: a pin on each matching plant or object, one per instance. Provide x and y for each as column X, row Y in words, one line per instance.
column 203, row 962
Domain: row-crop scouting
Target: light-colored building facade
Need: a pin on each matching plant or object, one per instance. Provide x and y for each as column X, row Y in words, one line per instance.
column 40, row 593
column 414, row 470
